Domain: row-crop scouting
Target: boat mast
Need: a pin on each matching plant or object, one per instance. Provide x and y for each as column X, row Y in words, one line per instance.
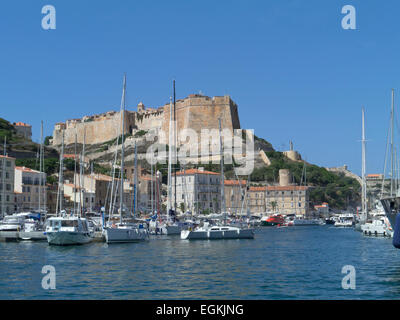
column 81, row 174
column 60, row 192
column 135, row 181
column 75, row 159
column 363, row 170
column 91, row 186
column 40, row 165
column 175, row 149
column 223, row 209
column 121, row 198
column 391, row 146
column 169, row 203
column 3, row 178
column 151, row 185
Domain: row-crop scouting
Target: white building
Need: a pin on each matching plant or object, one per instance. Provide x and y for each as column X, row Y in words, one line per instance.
column 29, row 184
column 197, row 190
column 7, row 198
column 96, row 189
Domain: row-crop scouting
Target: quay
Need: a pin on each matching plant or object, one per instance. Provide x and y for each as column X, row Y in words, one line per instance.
column 12, row 236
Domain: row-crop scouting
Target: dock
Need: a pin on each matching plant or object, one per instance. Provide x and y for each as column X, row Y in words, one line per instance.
column 13, row 236
column 9, row 236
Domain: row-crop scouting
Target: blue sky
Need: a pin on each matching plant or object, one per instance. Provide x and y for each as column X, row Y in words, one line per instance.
column 288, row 64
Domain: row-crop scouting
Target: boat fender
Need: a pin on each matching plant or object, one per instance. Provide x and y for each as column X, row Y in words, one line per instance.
column 396, row 235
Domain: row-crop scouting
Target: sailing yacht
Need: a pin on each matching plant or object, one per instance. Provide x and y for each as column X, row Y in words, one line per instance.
column 66, row 229
column 123, row 231
column 169, row 226
column 391, row 203
column 224, row 231
column 360, row 225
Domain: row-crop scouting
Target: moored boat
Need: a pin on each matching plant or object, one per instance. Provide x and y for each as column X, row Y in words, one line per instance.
column 208, row 232
column 273, row 220
column 68, row 230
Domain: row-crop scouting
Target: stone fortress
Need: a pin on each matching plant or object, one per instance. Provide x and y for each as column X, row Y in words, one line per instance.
column 196, row 112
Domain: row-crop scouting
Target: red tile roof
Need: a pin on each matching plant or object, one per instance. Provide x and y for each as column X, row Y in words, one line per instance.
column 286, row 188
column 195, row 171
column 234, row 182
column 258, row 189
column 21, row 124
column 278, row 188
column 24, row 169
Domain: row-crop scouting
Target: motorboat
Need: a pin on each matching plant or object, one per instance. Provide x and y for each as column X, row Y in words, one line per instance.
column 345, row 220
column 68, row 230
column 207, row 232
column 274, row 220
column 301, row 221
column 125, row 232
column 377, row 227
column 13, row 222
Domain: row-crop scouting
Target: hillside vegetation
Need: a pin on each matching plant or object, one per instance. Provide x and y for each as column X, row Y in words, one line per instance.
column 335, row 188
column 19, row 147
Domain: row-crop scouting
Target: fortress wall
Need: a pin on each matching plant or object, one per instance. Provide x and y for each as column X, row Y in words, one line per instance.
column 149, row 120
column 200, row 112
column 196, row 112
column 98, row 129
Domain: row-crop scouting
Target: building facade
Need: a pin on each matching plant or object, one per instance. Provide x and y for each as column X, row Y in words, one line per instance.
column 23, row 130
column 197, row 190
column 287, row 199
column 7, row 196
column 235, row 191
column 30, row 186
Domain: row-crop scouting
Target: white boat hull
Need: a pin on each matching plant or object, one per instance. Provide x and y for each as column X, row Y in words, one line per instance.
column 343, row 225
column 65, row 238
column 121, row 235
column 213, row 235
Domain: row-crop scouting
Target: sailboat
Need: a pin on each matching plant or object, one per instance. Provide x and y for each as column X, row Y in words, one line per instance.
column 391, row 203
column 378, row 224
column 224, row 231
column 169, row 226
column 33, row 226
column 123, row 231
column 300, row 220
column 66, row 229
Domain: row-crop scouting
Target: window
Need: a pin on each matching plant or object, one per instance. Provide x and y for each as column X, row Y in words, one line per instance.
column 8, row 163
column 66, row 223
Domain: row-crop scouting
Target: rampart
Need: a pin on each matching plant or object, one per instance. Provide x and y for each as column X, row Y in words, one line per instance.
column 196, row 112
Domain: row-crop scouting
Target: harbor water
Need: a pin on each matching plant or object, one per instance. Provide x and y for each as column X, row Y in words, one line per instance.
column 280, row 263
